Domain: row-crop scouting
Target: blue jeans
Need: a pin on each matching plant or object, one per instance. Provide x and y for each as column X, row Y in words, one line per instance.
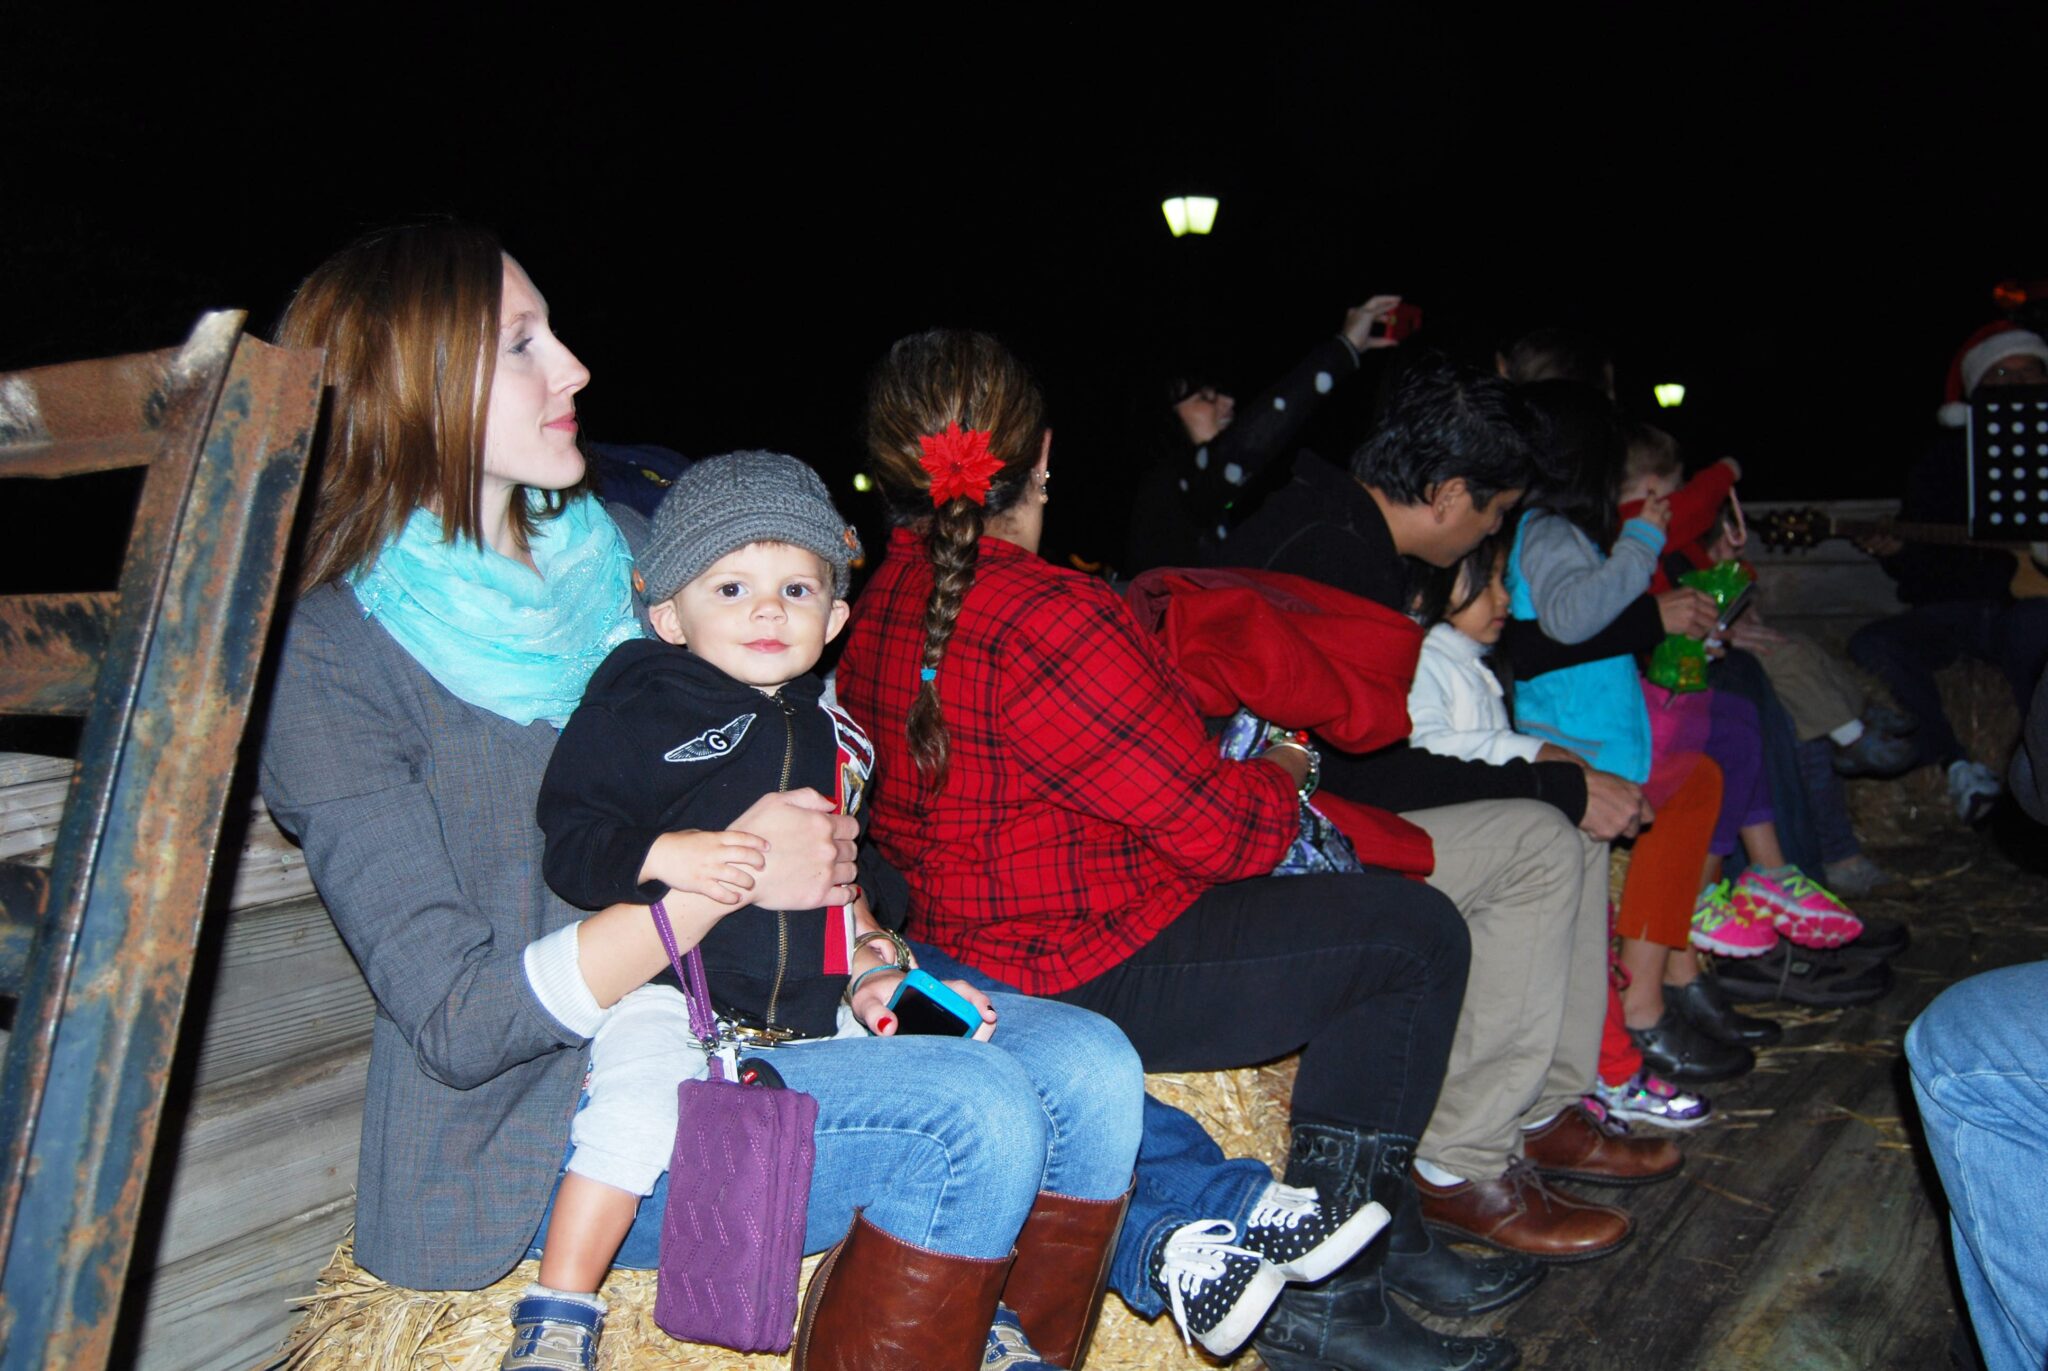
column 1183, row 1175
column 945, row 1142
column 1828, row 802
column 1979, row 1058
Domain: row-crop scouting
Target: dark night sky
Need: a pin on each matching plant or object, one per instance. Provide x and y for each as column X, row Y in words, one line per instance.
column 1799, row 217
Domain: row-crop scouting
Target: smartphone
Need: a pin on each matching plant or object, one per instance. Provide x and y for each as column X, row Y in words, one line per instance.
column 925, row 1004
column 1401, row 321
column 1735, row 609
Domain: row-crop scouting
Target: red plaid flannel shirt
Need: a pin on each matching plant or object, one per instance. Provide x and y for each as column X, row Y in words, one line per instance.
column 1085, row 807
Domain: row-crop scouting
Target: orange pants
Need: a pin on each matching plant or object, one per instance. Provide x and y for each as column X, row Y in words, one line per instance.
column 1663, row 883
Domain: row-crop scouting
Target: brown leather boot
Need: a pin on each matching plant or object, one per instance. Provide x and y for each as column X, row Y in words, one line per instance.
column 1062, row 1267
column 1576, row 1146
column 1519, row 1213
column 877, row 1303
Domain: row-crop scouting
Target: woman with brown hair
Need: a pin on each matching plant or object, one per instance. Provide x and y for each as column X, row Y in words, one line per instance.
column 460, row 590
column 1068, row 828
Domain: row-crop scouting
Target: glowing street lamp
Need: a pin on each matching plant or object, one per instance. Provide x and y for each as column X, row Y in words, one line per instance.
column 1670, row 394
column 861, row 482
column 1187, row 214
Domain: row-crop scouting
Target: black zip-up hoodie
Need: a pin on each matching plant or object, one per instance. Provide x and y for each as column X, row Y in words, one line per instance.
column 665, row 741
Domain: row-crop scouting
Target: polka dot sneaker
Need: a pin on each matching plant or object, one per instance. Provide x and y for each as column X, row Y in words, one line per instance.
column 1217, row 1291
column 1290, row 1228
column 1803, row 910
column 1648, row 1098
column 1721, row 925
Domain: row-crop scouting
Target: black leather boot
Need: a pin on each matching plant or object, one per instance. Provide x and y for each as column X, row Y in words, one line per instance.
column 1683, row 1055
column 1706, row 1007
column 1347, row 1320
column 1348, row 1323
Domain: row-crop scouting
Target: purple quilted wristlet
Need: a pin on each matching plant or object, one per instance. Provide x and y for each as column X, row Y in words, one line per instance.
column 739, row 1190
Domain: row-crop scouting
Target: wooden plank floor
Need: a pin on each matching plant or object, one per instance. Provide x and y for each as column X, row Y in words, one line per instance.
column 1806, row 1229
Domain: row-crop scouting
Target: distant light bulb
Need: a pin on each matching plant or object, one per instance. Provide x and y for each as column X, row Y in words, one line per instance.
column 1189, row 213
column 861, row 482
column 1670, row 394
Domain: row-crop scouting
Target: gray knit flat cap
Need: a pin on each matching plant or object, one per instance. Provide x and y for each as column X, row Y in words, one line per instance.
column 723, row 503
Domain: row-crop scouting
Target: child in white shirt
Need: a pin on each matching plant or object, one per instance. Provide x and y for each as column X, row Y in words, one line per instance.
column 1457, row 708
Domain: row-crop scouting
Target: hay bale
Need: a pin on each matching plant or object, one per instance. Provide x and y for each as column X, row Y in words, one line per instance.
column 353, row 1320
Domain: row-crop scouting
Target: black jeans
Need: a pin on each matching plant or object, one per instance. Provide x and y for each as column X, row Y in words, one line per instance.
column 1363, row 973
column 1906, row 650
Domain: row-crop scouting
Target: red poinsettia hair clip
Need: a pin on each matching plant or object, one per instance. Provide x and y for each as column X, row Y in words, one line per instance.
column 959, row 463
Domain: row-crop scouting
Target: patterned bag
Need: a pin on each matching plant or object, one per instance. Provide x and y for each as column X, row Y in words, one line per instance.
column 1320, row 848
column 739, row 1191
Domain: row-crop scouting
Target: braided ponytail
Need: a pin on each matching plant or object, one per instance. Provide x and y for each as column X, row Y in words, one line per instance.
column 948, row 381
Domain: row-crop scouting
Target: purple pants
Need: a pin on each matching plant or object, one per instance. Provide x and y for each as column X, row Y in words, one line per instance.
column 1735, row 742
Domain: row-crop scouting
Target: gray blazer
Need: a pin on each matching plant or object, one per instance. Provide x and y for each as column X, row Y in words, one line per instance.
column 416, row 813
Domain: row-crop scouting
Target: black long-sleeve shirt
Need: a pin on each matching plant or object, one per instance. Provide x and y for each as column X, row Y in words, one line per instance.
column 1190, row 500
column 664, row 741
column 1324, row 525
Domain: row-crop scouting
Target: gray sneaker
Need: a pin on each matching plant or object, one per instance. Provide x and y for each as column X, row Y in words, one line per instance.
column 550, row 1333
column 1881, row 755
column 1974, row 788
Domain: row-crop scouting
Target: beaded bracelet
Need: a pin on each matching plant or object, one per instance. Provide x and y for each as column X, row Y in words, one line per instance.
column 1314, row 778
column 904, row 961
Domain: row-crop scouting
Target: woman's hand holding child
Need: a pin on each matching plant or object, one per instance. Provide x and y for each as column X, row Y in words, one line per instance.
column 810, row 850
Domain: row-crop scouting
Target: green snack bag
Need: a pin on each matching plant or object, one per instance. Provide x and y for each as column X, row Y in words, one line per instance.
column 1723, row 582
column 1679, row 664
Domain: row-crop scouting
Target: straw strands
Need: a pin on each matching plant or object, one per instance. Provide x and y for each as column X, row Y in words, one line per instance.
column 353, row 1320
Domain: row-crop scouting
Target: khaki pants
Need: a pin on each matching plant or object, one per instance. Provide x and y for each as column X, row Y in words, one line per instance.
column 1533, row 890
column 1816, row 687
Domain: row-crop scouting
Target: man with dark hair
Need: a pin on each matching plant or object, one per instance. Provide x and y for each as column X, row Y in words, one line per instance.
column 1449, row 460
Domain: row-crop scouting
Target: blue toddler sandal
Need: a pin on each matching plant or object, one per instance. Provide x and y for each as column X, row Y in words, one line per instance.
column 554, row 1331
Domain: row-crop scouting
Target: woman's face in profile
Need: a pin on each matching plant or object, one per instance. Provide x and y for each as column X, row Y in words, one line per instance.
column 530, row 424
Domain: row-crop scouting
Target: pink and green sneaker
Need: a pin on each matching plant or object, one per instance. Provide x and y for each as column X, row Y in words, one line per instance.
column 1722, row 927
column 1805, row 911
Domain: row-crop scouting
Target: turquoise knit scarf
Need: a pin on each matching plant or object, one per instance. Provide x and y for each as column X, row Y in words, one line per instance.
column 491, row 631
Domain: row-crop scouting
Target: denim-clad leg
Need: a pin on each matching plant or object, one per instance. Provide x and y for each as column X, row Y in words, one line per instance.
column 1979, row 1058
column 946, row 1142
column 1182, row 1177
column 1828, row 802
column 941, row 1140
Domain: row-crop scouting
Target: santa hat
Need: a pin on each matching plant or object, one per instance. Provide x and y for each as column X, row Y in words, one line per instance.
column 1983, row 350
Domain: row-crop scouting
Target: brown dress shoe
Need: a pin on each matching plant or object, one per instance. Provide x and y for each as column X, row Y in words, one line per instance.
column 1577, row 1146
column 1519, row 1213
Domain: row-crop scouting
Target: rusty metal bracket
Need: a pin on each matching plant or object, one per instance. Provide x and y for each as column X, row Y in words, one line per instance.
column 226, row 424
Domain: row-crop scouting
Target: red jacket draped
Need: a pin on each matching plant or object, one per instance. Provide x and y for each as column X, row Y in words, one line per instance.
column 1303, row 655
